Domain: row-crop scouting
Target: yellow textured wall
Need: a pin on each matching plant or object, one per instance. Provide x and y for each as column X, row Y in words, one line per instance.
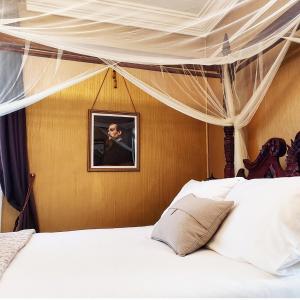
column 172, row 151
column 278, row 115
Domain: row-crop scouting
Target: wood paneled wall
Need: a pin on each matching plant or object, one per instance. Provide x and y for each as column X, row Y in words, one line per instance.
column 172, row 151
column 278, row 115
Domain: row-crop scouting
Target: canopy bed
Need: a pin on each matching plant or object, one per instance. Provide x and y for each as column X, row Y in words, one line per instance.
column 126, row 262
column 194, row 57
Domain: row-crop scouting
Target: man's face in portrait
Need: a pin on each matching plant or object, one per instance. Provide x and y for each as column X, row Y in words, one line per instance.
column 113, row 131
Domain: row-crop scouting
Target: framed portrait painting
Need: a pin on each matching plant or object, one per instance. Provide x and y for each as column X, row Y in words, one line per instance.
column 113, row 141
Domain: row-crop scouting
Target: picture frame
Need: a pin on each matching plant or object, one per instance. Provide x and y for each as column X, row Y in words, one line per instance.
column 113, row 143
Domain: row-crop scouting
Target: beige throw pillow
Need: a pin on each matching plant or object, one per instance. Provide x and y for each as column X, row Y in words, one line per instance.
column 190, row 223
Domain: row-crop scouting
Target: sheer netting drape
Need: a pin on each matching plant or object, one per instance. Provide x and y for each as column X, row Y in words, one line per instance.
column 173, row 50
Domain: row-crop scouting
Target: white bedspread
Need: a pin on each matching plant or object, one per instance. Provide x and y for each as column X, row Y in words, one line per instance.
column 127, row 263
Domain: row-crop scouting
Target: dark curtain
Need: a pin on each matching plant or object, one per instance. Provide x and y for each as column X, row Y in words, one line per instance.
column 14, row 170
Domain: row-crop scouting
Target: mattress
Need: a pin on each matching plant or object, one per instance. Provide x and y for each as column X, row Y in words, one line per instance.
column 125, row 262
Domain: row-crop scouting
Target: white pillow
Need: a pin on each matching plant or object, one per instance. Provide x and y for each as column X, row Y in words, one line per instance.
column 264, row 227
column 212, row 189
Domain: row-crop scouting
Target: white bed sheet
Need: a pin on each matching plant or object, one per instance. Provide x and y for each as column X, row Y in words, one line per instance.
column 127, row 263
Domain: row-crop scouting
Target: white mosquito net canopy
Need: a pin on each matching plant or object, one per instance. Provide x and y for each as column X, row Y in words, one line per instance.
column 210, row 59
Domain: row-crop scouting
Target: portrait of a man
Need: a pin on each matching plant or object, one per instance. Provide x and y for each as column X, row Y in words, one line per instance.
column 113, row 141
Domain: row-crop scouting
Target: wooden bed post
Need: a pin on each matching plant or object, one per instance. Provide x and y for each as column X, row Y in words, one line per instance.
column 229, row 151
column 228, row 130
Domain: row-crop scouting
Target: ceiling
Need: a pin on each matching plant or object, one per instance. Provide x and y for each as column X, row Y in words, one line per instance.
column 150, row 14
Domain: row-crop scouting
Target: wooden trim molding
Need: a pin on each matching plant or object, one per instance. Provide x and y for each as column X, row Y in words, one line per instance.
column 13, row 44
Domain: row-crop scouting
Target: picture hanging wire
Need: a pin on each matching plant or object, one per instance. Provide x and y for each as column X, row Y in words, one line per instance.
column 129, row 94
column 98, row 93
column 100, row 89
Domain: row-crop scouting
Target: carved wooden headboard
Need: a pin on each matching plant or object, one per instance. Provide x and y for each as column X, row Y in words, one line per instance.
column 267, row 164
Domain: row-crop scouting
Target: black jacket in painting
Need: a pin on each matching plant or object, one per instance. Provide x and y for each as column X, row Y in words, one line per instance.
column 117, row 153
